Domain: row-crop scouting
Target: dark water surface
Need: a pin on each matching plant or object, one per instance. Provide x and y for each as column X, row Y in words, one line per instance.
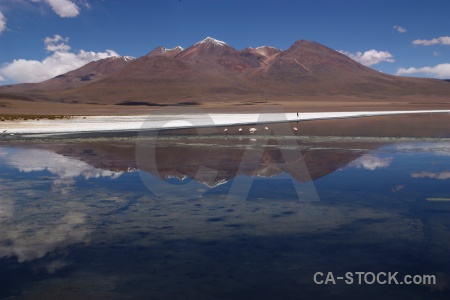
column 222, row 218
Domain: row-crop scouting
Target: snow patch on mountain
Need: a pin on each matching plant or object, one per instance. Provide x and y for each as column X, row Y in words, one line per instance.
column 128, row 58
column 263, row 50
column 162, row 50
column 125, row 58
column 212, row 42
column 265, row 47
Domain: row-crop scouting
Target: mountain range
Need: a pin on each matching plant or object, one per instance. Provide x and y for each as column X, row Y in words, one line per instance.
column 212, row 73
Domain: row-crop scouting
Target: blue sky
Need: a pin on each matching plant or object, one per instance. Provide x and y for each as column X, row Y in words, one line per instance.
column 40, row 39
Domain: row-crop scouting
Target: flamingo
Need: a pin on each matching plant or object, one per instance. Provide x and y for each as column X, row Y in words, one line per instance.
column 225, row 130
column 266, row 128
column 295, row 129
column 252, row 130
column 240, row 130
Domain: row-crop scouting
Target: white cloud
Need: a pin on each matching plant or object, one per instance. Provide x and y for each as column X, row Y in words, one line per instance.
column 2, row 22
column 371, row 162
column 441, row 149
column 56, row 38
column 26, row 160
column 28, row 242
column 51, row 44
column 370, row 57
column 438, row 71
column 398, row 188
column 400, row 29
column 443, row 40
column 58, row 47
column 59, row 62
column 67, row 169
column 64, row 8
column 440, row 175
column 33, row 242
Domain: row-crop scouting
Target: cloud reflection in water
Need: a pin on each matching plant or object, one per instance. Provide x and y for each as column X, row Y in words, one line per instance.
column 66, row 168
column 371, row 162
column 34, row 223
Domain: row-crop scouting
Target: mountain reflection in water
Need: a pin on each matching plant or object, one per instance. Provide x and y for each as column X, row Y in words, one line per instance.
column 77, row 222
column 180, row 159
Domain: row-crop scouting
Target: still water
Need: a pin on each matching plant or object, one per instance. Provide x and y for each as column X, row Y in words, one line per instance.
column 222, row 218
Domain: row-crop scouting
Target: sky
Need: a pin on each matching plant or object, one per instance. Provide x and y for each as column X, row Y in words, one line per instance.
column 40, row 39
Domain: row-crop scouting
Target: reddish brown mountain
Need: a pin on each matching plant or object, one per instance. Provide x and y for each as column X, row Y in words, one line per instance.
column 214, row 73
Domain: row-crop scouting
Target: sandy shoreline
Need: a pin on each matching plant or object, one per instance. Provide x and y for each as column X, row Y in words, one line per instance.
column 156, row 122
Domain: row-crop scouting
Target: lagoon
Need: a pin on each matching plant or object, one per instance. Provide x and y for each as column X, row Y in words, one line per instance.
column 93, row 218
